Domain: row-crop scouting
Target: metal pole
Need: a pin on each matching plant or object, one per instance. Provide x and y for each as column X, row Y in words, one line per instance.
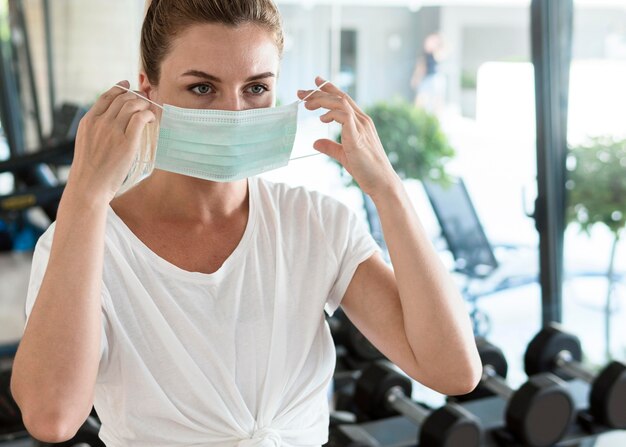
column 335, row 41
column 405, row 406
column 551, row 38
column 565, row 361
column 21, row 21
column 495, row 383
column 10, row 117
column 49, row 57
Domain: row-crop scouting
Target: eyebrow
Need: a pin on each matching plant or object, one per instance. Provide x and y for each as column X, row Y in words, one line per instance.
column 210, row 77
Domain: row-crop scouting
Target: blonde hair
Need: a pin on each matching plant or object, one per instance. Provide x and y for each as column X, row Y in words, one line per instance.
column 163, row 20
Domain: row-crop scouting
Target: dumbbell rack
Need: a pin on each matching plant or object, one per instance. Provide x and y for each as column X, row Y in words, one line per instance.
column 401, row 432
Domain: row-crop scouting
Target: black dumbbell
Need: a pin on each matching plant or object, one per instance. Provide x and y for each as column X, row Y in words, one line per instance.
column 539, row 412
column 492, row 356
column 87, row 436
column 345, row 333
column 381, row 392
column 557, row 351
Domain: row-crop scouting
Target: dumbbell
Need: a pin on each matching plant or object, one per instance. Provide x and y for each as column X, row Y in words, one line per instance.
column 87, row 436
column 557, row 351
column 11, row 424
column 539, row 412
column 492, row 356
column 381, row 392
column 345, row 333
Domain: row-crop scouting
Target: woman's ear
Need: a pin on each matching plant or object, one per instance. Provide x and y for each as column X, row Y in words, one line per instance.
column 144, row 84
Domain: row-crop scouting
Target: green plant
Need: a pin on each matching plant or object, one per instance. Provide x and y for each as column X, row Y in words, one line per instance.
column 413, row 140
column 597, row 195
column 468, row 80
column 597, row 184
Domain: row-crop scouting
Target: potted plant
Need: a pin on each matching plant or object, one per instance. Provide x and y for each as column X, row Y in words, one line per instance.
column 597, row 195
column 412, row 138
column 415, row 144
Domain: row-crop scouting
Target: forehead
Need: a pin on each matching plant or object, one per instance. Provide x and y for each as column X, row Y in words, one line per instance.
column 223, row 51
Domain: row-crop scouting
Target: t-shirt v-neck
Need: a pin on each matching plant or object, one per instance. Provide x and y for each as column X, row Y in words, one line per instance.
column 186, row 275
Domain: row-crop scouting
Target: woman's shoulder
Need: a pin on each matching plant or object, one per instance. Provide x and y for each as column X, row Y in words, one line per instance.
column 283, row 195
column 288, row 200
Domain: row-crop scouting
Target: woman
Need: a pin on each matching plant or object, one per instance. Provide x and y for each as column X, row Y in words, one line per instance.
column 191, row 312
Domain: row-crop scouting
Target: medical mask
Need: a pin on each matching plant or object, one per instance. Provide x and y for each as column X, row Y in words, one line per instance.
column 225, row 145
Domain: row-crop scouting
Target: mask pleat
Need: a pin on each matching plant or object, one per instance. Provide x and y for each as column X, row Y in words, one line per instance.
column 226, row 145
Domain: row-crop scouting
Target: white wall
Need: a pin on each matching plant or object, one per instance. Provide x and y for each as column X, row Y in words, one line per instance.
column 456, row 20
column 383, row 72
column 96, row 44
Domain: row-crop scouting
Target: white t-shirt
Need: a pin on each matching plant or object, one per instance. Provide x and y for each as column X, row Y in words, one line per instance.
column 240, row 357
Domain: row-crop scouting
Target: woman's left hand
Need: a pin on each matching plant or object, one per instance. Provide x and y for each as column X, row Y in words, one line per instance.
column 360, row 151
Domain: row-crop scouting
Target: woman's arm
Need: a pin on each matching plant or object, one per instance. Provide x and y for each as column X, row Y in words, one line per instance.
column 414, row 315
column 55, row 368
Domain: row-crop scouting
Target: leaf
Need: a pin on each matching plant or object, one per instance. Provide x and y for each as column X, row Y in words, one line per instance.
column 413, row 139
column 597, row 184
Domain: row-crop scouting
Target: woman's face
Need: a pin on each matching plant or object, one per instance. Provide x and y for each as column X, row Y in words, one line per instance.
column 213, row 66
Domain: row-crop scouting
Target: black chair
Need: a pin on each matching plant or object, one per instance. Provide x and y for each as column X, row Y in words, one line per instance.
column 473, row 254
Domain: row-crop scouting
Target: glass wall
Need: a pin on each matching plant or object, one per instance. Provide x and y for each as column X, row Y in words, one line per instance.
column 468, row 65
column 594, row 291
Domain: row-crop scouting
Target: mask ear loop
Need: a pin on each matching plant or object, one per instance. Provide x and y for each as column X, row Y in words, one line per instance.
column 138, row 95
column 300, row 101
column 161, row 107
column 316, row 90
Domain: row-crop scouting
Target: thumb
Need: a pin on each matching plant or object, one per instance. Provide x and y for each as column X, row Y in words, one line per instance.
column 330, row 148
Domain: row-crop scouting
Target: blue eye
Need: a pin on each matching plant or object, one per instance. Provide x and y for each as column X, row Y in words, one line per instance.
column 258, row 89
column 201, row 89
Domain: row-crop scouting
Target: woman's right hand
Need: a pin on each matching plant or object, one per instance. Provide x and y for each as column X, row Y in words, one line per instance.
column 107, row 142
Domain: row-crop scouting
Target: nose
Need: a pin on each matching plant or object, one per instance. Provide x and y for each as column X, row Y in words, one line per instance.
column 232, row 101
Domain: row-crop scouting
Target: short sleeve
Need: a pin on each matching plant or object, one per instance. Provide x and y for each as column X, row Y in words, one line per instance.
column 37, row 272
column 351, row 244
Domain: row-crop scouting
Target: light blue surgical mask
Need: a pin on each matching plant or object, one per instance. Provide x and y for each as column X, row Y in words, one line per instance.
column 225, row 145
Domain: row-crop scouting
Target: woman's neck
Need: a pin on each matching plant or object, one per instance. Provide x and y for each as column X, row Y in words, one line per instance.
column 182, row 198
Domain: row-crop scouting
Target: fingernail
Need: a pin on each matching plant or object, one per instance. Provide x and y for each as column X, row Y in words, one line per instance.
column 300, row 92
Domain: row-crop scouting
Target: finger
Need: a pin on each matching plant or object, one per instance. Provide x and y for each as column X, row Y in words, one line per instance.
column 346, row 119
column 330, row 148
column 335, row 115
column 327, row 101
column 332, row 88
column 118, row 103
column 136, row 124
column 129, row 108
column 105, row 100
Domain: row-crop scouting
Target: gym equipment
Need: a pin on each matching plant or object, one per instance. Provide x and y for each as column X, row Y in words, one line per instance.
column 87, row 435
column 11, row 425
column 473, row 254
column 492, row 356
column 557, row 351
column 35, row 183
column 539, row 412
column 346, row 334
column 381, row 391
